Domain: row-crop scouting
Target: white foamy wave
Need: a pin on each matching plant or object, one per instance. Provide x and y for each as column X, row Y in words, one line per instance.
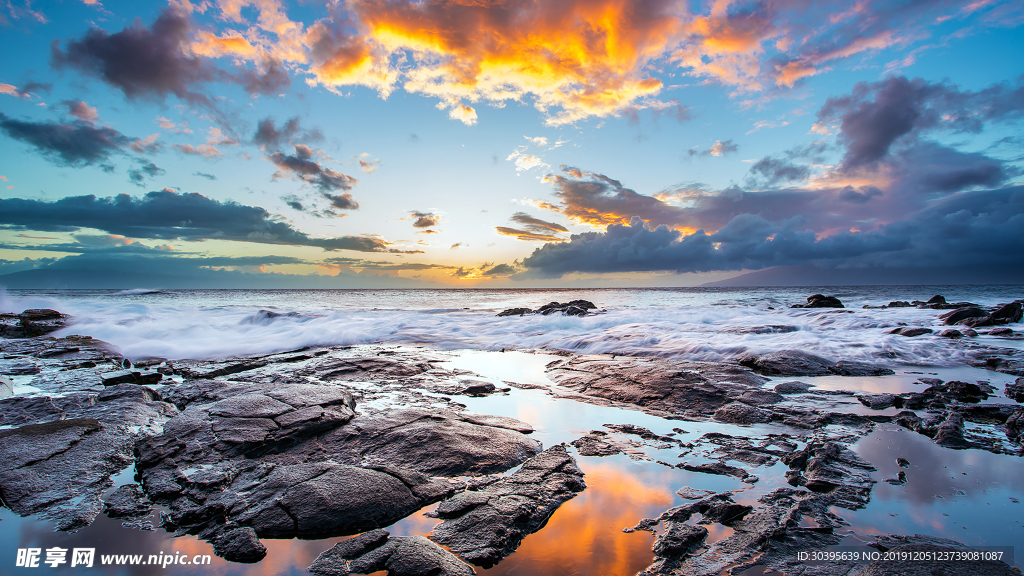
column 693, row 333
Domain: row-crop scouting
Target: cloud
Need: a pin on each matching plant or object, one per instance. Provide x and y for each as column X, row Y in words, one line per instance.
column 524, row 161
column 27, row 90
column 204, row 150
column 138, row 175
column 204, row 175
column 270, row 137
column 968, row 229
column 595, row 199
column 81, row 110
column 368, row 166
column 527, row 235
column 425, row 219
column 719, row 148
column 457, row 245
column 76, row 144
column 536, row 224
column 168, row 215
column 341, row 201
column 360, row 264
column 301, row 165
column 877, row 116
column 499, row 270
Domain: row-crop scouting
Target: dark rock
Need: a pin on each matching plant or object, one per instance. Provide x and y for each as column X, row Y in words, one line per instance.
column 792, row 388
column 693, row 493
column 820, row 301
column 761, row 397
column 679, row 540
column 717, row 468
column 376, row 551
column 724, row 512
column 880, row 401
column 903, row 462
column 1002, row 332
column 595, row 445
column 477, row 388
column 950, row 434
column 950, row 333
column 127, row 501
column 959, row 315
column 486, row 525
column 799, row 363
column 1012, row 312
column 574, row 308
column 638, row 431
column 32, row 323
column 653, row 383
column 1015, row 390
column 899, row 480
column 830, row 468
column 899, row 304
column 515, row 312
column 237, row 544
column 739, row 413
column 910, row 332
column 118, row 377
column 937, row 299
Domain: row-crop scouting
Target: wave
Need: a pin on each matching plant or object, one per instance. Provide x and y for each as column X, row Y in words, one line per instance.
column 139, row 291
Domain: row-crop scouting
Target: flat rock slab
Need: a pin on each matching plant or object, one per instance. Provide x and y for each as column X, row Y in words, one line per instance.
column 486, row 525
column 684, row 388
column 377, row 551
column 799, row 363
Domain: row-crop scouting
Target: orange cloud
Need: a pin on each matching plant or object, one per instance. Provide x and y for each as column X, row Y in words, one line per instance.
column 573, row 59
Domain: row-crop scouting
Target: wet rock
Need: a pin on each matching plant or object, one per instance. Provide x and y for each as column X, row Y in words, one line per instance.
column 769, row 329
column 959, row 315
column 237, row 544
column 477, row 388
column 792, row 388
column 717, row 468
column 6, row 387
column 1001, row 332
column 910, row 332
column 799, row 363
column 595, row 444
column 686, row 388
column 679, row 539
column 880, row 401
column 31, row 323
column 435, row 442
column 693, row 493
column 1015, row 390
column 515, row 312
column 903, row 463
column 831, row 468
column 761, row 397
column 939, row 396
column 950, row 434
column 950, row 333
column 377, row 551
column 899, row 480
column 937, row 299
column 739, row 413
column 639, row 431
column 127, row 501
column 930, row 546
column 485, row 526
column 820, row 301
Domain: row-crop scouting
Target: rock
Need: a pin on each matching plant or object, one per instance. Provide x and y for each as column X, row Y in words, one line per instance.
column 485, row 526
column 434, row 442
column 679, row 539
column 950, row 433
column 31, row 323
column 930, row 546
column 574, row 308
column 477, row 388
column 739, row 413
column 937, row 299
column 377, row 551
column 1001, row 332
column 515, row 312
column 950, row 333
column 880, row 401
column 693, row 493
column 653, row 383
column 1015, row 390
column 898, row 304
column 831, row 468
column 595, row 445
column 1012, row 312
column 128, row 501
column 799, row 363
column 6, row 387
column 129, row 376
column 717, row 468
column 960, row 314
column 911, row 332
column 792, row 388
column 820, row 301
column 760, row 397
column 237, row 545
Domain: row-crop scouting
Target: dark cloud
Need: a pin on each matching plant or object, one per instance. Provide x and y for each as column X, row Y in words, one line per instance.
column 500, row 270
column 30, row 88
column 773, row 171
column 457, row 245
column 425, row 219
column 269, row 80
column 272, row 138
column 527, row 235
column 387, row 266
column 301, row 165
column 138, row 175
column 967, row 229
column 537, row 225
column 341, row 201
column 142, row 62
column 874, row 117
column 81, row 110
column 74, row 144
column 293, row 202
column 596, row 199
column 204, row 175
column 169, row 215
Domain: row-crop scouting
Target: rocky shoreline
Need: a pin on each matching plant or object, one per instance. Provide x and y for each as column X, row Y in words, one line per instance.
column 344, row 441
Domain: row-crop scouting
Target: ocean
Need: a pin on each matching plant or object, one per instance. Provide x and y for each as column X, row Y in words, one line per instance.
column 684, row 323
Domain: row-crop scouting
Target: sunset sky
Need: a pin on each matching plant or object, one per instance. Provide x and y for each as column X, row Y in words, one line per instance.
column 386, row 143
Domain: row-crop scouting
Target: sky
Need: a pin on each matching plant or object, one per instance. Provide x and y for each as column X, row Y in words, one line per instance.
column 505, row 143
